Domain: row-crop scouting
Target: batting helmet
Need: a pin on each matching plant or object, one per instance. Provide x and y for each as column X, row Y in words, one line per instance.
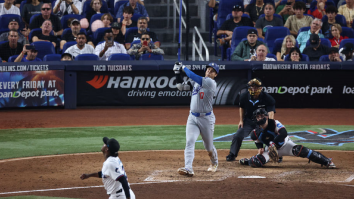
column 213, row 65
column 257, row 84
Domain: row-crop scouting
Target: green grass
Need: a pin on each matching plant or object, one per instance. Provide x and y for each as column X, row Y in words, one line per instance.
column 33, row 197
column 48, row 141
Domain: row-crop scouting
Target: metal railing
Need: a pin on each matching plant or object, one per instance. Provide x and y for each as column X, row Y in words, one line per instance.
column 201, row 45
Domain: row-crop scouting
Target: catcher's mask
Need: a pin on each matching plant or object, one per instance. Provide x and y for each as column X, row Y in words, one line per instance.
column 259, row 116
column 254, row 87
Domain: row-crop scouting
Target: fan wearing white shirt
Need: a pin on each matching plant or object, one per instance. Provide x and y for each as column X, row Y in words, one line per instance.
column 81, row 47
column 64, row 7
column 261, row 54
column 9, row 8
column 109, row 47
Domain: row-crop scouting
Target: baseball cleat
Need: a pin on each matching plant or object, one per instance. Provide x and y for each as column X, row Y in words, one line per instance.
column 331, row 165
column 213, row 168
column 185, row 172
column 244, row 161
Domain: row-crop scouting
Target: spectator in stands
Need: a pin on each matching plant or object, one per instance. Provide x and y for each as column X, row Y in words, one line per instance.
column 299, row 20
column 214, row 4
column 127, row 21
column 268, row 20
column 139, row 1
column 45, row 34
column 247, row 48
column 12, row 47
column 138, row 9
column 117, row 33
column 334, row 55
column 9, row 8
column 261, row 54
column 305, row 35
column 145, row 46
column 288, row 43
column 347, row 52
column 31, row 52
column 295, row 54
column 286, row 10
column 107, row 19
column 316, row 49
column 348, row 11
column 136, row 35
column 30, row 8
column 109, row 47
column 331, row 12
column 65, row 7
column 228, row 26
column 14, row 25
column 319, row 11
column 81, row 47
column 46, row 15
column 18, row 2
column 71, row 36
column 255, row 9
column 96, row 6
column 66, row 57
column 336, row 30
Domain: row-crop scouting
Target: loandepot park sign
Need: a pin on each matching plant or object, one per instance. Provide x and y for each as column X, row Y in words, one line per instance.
column 328, row 137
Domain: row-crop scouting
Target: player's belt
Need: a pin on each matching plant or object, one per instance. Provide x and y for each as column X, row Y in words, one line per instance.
column 201, row 114
column 119, row 191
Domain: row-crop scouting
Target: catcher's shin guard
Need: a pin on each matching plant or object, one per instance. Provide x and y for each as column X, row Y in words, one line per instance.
column 257, row 161
column 314, row 156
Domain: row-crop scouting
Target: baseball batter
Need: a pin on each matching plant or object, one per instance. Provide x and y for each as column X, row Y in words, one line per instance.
column 273, row 134
column 113, row 176
column 201, row 119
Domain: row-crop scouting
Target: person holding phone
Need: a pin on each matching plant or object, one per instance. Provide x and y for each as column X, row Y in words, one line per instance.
column 31, row 52
column 286, row 10
column 109, row 47
column 145, row 46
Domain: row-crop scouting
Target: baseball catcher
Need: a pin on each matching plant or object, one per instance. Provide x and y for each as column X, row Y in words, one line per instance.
column 273, row 134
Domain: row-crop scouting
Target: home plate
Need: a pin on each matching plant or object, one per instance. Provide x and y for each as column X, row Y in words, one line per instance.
column 251, row 177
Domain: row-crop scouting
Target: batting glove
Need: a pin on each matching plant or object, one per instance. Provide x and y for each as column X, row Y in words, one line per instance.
column 177, row 67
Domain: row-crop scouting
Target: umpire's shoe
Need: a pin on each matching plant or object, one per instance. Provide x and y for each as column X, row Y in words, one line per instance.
column 185, row 172
column 230, row 157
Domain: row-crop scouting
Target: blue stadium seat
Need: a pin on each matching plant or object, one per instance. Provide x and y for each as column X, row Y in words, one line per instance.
column 34, row 16
column 44, row 48
column 229, row 16
column 68, row 45
column 326, row 58
column 246, row 15
column 1, row 42
column 12, row 58
column 274, row 33
column 85, row 57
column 349, row 32
column 270, row 55
column 339, row 18
column 4, row 20
column 129, row 31
column 68, row 31
column 31, row 33
column 136, row 17
column 87, row 8
column 151, row 56
column 324, row 41
column 303, row 29
column 52, row 57
column 275, row 15
column 65, row 18
column 117, row 5
column 265, row 1
column 98, row 35
column 304, row 58
column 344, row 41
column 278, row 43
column 95, row 17
column 0, row 60
column 21, row 5
column 119, row 56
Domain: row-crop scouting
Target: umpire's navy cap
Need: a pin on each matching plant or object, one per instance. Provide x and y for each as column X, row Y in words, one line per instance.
column 112, row 144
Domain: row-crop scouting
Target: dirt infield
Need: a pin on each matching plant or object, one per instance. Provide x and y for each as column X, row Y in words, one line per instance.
column 152, row 174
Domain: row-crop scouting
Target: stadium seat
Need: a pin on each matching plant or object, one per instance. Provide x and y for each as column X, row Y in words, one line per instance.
column 4, row 20
column 22, row 5
column 310, row 16
column 98, row 35
column 344, row 41
column 326, row 58
column 0, row 60
column 87, row 8
column 34, row 16
column 265, row 1
column 349, row 32
column 275, row 15
column 117, row 5
column 85, row 57
column 68, row 31
column 339, row 18
column 246, row 15
column 1, row 42
column 68, row 45
column 278, row 43
column 129, row 31
column 12, row 58
column 95, row 17
column 229, row 16
column 136, row 17
column 270, row 55
column 65, row 18
column 324, row 41
column 150, row 56
column 31, row 33
column 44, row 48
column 119, row 56
column 303, row 29
column 274, row 33
column 304, row 58
column 52, row 57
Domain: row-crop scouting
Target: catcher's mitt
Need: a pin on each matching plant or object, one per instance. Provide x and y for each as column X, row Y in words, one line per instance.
column 273, row 153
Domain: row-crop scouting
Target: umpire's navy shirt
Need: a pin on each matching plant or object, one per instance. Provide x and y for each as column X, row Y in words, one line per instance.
column 249, row 105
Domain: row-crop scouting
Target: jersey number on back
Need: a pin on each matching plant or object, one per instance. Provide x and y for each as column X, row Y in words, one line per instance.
column 201, row 95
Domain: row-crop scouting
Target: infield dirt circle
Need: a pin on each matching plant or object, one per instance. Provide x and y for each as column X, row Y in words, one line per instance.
column 153, row 174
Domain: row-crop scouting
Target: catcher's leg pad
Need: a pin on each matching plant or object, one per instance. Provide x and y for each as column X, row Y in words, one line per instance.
column 314, row 156
column 257, row 161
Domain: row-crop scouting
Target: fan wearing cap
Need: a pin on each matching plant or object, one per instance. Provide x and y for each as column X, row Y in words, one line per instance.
column 65, row 7
column 31, row 52
column 145, row 46
column 113, row 175
column 334, row 55
column 75, row 27
column 14, row 25
column 66, row 57
column 9, row 8
column 228, row 26
column 347, row 52
column 246, row 49
column 316, row 49
column 117, row 32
